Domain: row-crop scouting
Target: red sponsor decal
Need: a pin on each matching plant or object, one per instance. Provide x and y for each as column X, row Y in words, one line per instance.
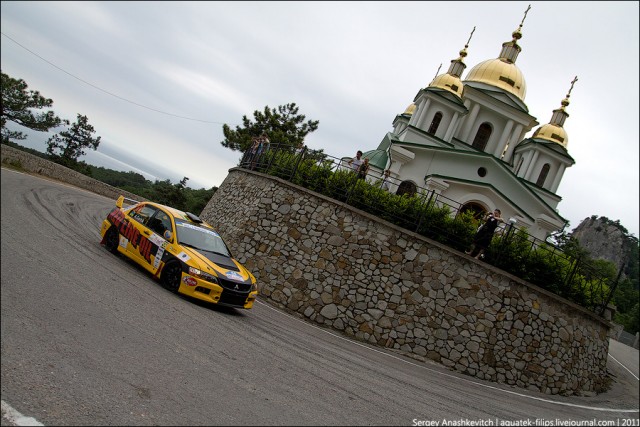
column 145, row 248
column 132, row 234
column 190, row 281
column 116, row 216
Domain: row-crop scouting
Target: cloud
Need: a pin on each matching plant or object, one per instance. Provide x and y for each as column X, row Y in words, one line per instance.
column 351, row 65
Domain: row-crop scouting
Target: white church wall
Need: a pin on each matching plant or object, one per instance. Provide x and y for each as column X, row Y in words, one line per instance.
column 411, row 134
column 551, row 199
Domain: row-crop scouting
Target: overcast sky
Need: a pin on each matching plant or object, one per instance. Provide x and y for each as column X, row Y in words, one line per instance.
column 158, row 79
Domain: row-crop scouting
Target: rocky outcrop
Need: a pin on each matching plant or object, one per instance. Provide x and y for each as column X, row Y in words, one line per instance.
column 603, row 239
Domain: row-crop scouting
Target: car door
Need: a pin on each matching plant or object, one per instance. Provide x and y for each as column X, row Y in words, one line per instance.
column 138, row 233
column 160, row 234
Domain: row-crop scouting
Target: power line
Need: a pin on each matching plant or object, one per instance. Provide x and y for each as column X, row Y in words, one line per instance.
column 106, row 91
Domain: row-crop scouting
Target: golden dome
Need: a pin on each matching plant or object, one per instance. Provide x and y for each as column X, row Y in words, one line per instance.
column 552, row 133
column 501, row 74
column 448, row 82
column 410, row 109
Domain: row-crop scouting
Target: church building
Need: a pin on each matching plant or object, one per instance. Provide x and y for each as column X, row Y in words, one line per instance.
column 465, row 140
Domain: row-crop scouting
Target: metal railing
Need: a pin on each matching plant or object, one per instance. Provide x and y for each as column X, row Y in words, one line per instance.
column 437, row 217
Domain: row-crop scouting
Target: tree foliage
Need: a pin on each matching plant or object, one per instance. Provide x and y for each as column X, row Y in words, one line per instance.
column 18, row 104
column 283, row 125
column 72, row 143
column 177, row 195
column 118, row 178
column 562, row 266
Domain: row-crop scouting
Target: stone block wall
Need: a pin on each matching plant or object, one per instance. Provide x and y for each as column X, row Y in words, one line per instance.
column 27, row 162
column 348, row 270
column 345, row 269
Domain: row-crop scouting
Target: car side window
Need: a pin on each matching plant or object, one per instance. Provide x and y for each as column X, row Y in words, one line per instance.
column 160, row 223
column 142, row 213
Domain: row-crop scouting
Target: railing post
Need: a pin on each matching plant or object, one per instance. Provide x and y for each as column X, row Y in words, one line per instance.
column 572, row 272
column 504, row 241
column 245, row 161
column 355, row 182
column 613, row 288
column 300, row 157
column 422, row 210
column 273, row 150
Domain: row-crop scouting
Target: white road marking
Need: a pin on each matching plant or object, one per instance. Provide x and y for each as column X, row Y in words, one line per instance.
column 634, row 375
column 16, row 417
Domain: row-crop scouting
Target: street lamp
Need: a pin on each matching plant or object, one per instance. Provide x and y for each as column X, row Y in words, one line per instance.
column 512, row 223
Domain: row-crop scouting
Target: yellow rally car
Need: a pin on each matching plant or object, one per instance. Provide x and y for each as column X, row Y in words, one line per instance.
column 183, row 252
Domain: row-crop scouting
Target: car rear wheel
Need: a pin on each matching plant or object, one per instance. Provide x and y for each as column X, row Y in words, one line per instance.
column 171, row 276
column 111, row 240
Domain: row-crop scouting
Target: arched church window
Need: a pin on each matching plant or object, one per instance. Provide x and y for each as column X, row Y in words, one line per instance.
column 406, row 187
column 435, row 123
column 482, row 136
column 543, row 175
column 476, row 209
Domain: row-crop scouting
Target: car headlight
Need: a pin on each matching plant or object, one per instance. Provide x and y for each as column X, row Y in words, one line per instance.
column 254, row 286
column 202, row 275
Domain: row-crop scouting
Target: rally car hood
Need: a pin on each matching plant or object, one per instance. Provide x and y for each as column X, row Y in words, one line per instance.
column 220, row 265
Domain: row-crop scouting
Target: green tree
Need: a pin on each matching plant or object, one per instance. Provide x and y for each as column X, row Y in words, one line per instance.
column 283, row 125
column 198, row 199
column 119, row 178
column 18, row 104
column 173, row 195
column 70, row 144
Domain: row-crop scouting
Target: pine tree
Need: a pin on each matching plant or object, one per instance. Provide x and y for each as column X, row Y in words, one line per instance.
column 283, row 125
column 18, row 104
column 70, row 144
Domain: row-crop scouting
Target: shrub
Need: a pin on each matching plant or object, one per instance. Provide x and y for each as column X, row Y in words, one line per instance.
column 567, row 273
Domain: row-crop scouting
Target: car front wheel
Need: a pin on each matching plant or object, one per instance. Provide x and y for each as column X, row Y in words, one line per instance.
column 171, row 276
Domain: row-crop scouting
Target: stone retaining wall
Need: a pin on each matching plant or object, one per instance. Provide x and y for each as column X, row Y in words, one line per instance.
column 348, row 270
column 343, row 268
column 30, row 163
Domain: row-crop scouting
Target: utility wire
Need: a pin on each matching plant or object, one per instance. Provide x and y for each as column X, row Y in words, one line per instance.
column 105, row 91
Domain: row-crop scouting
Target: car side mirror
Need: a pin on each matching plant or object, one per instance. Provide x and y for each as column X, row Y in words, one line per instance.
column 168, row 235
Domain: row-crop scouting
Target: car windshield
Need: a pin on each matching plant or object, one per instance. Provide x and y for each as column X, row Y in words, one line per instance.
column 200, row 238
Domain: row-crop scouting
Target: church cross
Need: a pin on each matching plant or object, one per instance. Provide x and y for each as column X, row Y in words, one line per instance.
column 525, row 15
column 438, row 70
column 468, row 41
column 575, row 79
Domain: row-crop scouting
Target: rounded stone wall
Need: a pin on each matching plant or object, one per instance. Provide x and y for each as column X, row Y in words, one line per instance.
column 348, row 270
column 29, row 163
column 343, row 268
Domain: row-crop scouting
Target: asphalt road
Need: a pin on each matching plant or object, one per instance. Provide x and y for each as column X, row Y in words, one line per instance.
column 88, row 338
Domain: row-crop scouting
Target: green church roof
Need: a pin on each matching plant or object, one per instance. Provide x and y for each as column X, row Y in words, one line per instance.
column 377, row 158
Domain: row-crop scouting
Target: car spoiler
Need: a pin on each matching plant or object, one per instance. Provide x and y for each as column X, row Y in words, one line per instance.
column 121, row 200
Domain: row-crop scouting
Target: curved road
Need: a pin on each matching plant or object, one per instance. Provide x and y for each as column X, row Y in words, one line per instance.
column 89, row 338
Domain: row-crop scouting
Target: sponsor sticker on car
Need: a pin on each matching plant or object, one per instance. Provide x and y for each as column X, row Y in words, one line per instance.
column 189, row 281
column 157, row 240
column 158, row 257
column 194, row 227
column 232, row 275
